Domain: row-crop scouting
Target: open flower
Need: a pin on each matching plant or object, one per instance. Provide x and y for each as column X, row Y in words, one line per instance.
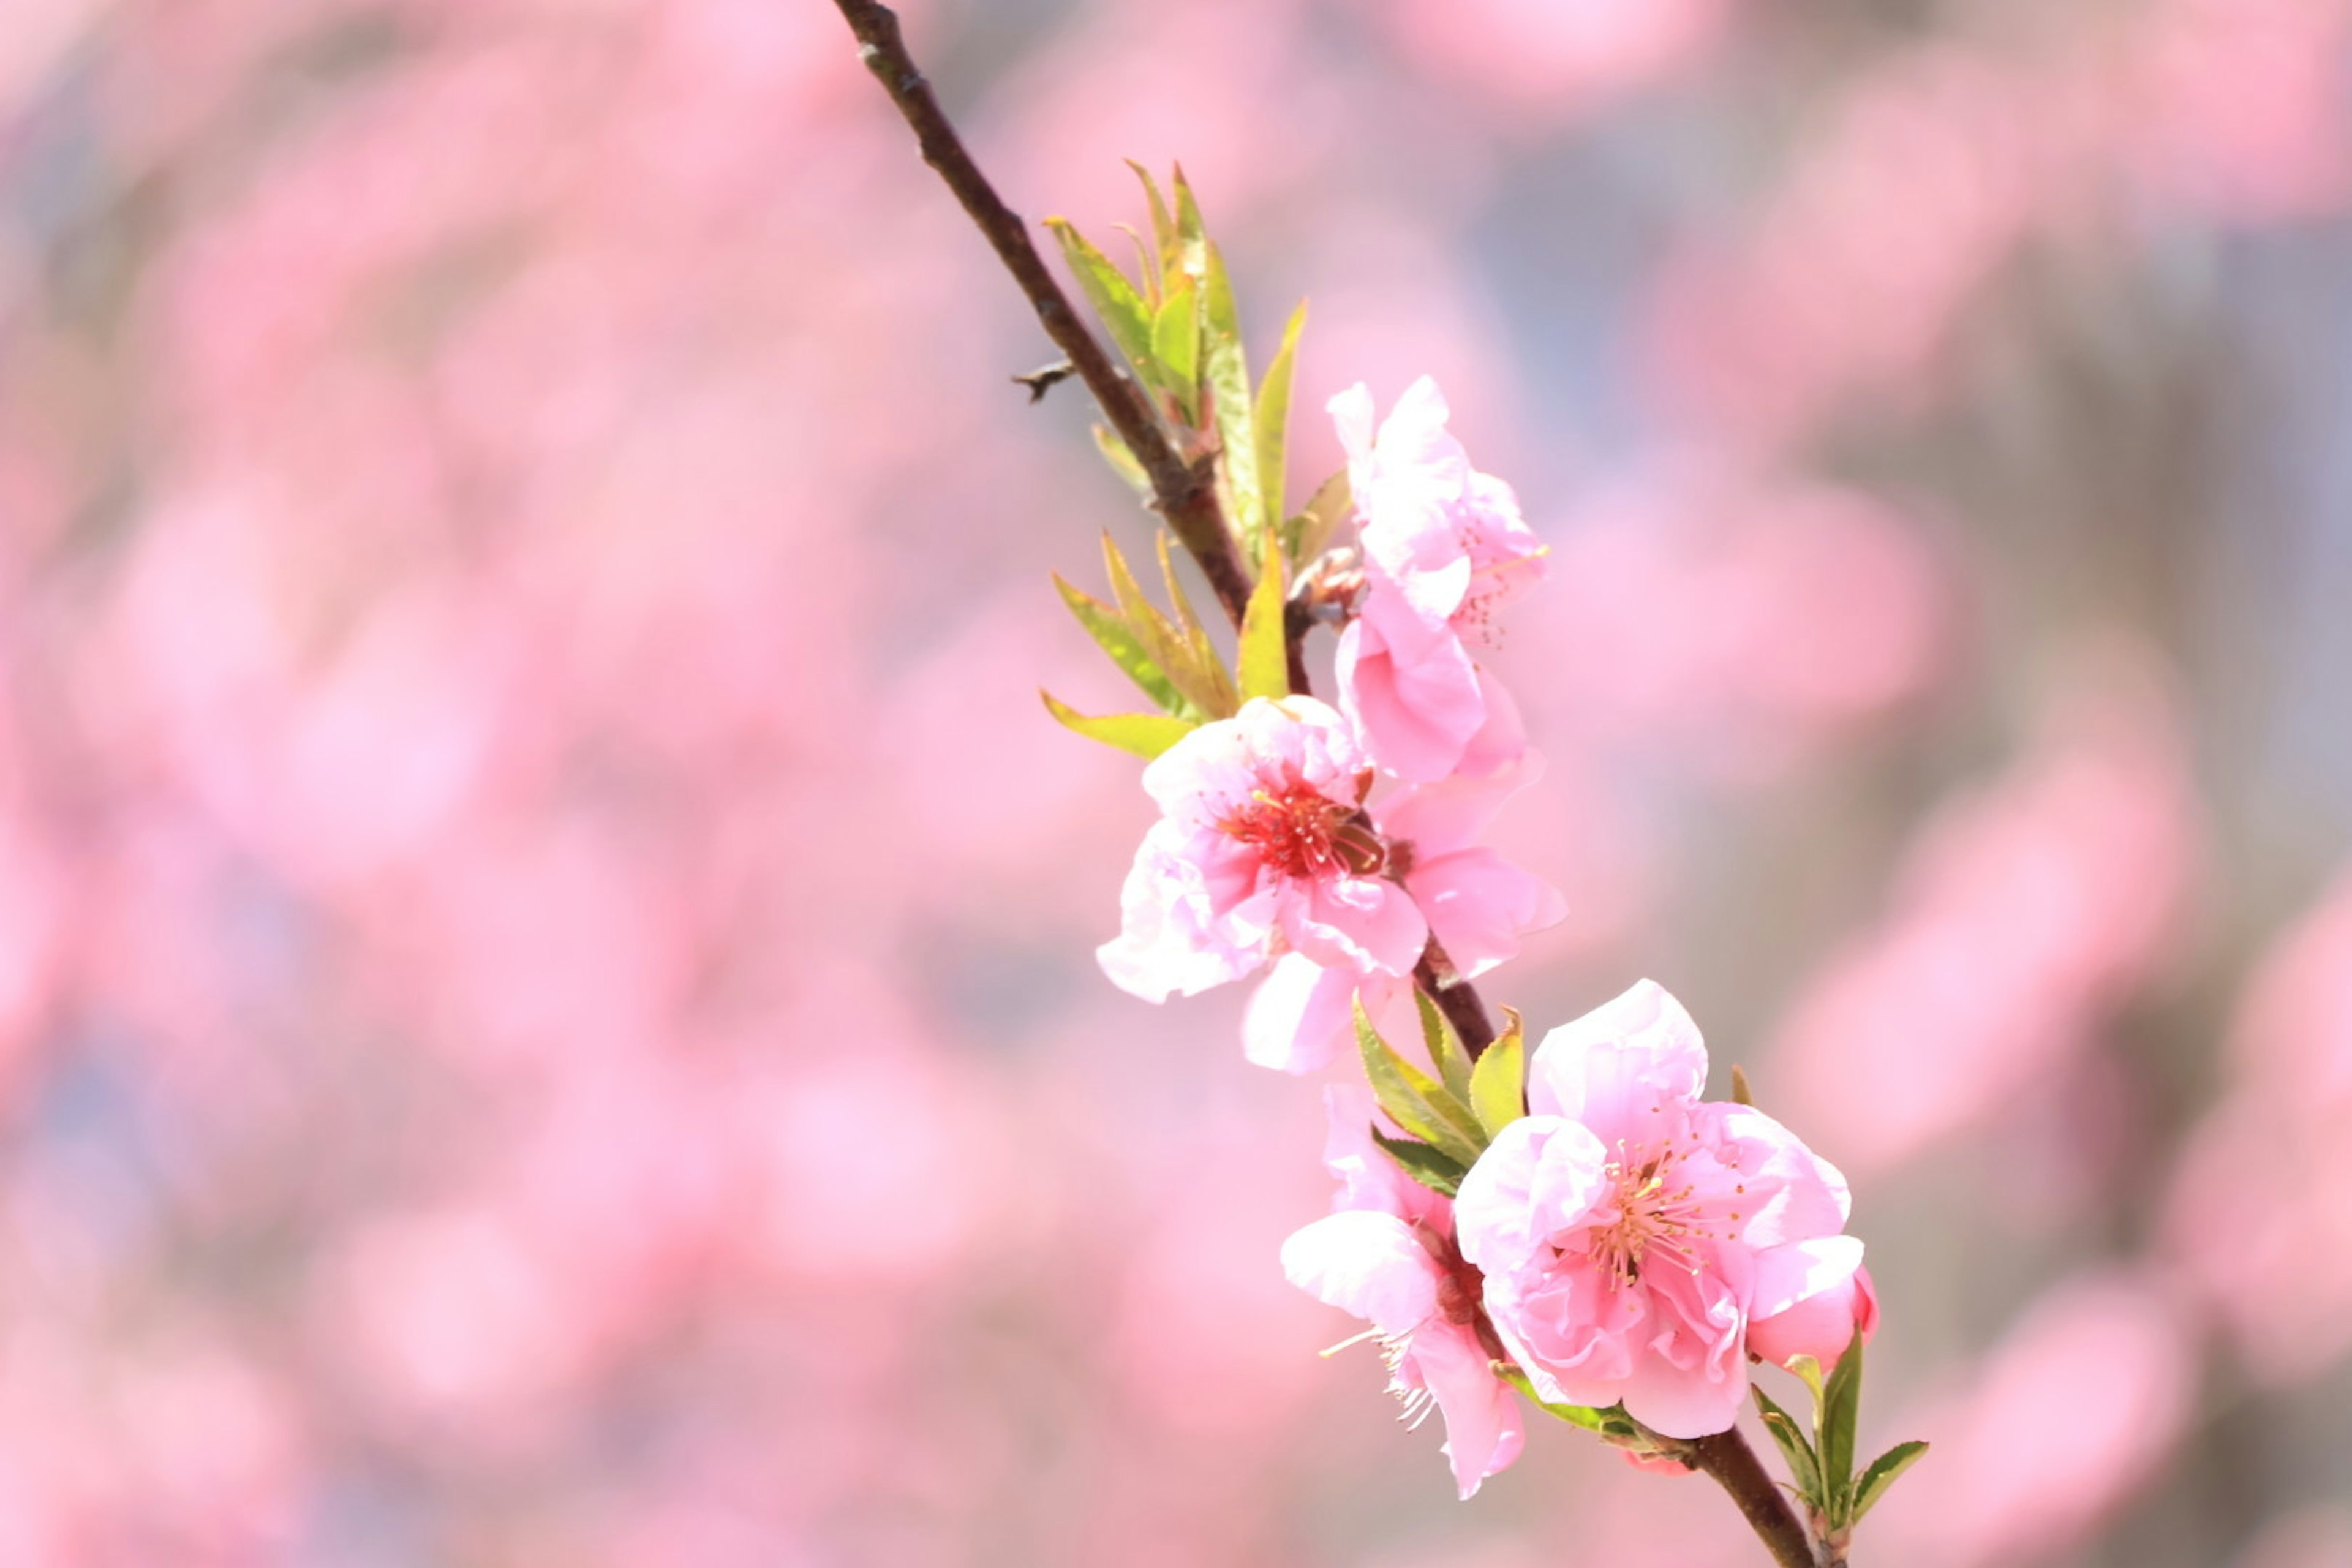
column 1262, row 851
column 1479, row 906
column 1444, row 547
column 1629, row 1232
column 1386, row 1253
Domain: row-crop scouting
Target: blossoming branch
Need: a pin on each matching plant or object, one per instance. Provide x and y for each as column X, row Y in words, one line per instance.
column 1573, row 1229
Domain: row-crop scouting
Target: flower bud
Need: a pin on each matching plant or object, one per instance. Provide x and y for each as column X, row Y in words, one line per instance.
column 1819, row 1326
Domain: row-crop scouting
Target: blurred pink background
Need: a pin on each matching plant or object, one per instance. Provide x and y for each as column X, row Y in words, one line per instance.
column 547, row 1007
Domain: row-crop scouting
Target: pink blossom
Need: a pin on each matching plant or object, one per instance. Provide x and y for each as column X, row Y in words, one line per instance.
column 1629, row 1232
column 1479, row 906
column 1386, row 1253
column 1820, row 1325
column 1256, row 855
column 1444, row 548
column 2077, row 1406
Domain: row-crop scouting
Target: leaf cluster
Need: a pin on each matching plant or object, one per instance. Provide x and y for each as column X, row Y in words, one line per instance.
column 1821, row 1461
column 1169, row 655
column 1175, row 320
column 1450, row 1119
column 1176, row 323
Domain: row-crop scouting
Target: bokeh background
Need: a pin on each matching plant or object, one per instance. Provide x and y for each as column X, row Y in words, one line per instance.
column 546, row 1011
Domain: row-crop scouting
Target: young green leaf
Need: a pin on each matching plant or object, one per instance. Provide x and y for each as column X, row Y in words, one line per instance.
column 1147, row 263
column 1114, row 636
column 1270, row 421
column 1109, row 291
column 1188, row 626
column 1144, row 735
column 1433, row 1168
column 1585, row 1416
column 1414, row 1100
column 1194, row 671
column 1444, row 1047
column 1804, row 1466
column 1841, row 1415
column 1332, row 504
column 1264, row 654
column 1163, row 225
column 1224, row 369
column 1740, row 1093
column 1176, row 347
column 1499, row 1083
column 1122, row 461
column 1192, row 235
column 1881, row 1475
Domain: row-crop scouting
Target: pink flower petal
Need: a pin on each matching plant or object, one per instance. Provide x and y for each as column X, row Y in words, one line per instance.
column 1365, row 1262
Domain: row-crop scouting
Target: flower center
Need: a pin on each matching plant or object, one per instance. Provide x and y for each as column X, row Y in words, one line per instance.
column 1301, row 832
column 1655, row 1209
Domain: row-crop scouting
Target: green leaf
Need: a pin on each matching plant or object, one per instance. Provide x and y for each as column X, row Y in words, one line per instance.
column 1193, row 669
column 1433, row 1168
column 1804, row 1466
column 1176, row 347
column 1144, row 735
column 1881, row 1475
column 1841, row 1415
column 1740, row 1093
column 1109, row 292
column 1147, row 259
column 1585, row 1416
column 1122, row 461
column 1225, row 370
column 1444, row 1047
column 1114, row 636
column 1808, row 1372
column 1264, row 662
column 1331, row 504
column 1195, row 635
column 1499, row 1084
column 1270, row 423
column 1192, row 235
column 1163, row 225
column 1414, row 1100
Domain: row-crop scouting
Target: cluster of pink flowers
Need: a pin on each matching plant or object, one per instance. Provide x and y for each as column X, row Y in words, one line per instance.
column 1271, row 849
column 1624, row 1244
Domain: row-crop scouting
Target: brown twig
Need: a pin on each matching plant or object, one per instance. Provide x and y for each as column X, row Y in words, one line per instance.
column 1185, row 491
column 1727, row 1460
column 1455, row 997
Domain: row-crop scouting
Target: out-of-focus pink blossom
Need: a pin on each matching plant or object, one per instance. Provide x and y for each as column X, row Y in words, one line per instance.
column 1387, row 1254
column 2277, row 1272
column 1748, row 621
column 1256, row 857
column 1629, row 1231
column 1565, row 57
column 1444, row 549
column 2071, row 1412
column 1826, row 300
column 1820, row 1325
column 2025, row 915
column 2236, row 107
column 1477, row 903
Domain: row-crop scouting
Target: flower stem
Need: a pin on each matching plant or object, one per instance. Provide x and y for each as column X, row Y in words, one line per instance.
column 1725, row 1459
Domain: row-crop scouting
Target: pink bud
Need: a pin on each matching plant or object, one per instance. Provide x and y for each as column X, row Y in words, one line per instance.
column 1819, row 1326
